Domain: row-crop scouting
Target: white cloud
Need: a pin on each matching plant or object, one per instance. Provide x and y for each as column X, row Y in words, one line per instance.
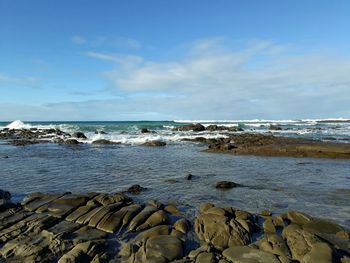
column 262, row 78
column 213, row 81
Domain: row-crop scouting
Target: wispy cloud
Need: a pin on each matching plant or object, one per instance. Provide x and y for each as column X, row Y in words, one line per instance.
column 107, row 41
column 28, row 81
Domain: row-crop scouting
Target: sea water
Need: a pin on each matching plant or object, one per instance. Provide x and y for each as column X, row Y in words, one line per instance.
column 320, row 187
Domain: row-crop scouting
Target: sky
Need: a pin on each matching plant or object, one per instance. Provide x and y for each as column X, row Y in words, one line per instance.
column 166, row 60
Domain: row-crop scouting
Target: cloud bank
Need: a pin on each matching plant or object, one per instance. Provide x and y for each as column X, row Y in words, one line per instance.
column 214, row 80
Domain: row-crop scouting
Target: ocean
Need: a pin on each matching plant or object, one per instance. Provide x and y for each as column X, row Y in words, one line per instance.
column 320, row 187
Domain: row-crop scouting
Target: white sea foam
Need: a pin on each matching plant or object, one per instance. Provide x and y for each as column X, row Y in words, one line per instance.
column 137, row 139
column 18, row 125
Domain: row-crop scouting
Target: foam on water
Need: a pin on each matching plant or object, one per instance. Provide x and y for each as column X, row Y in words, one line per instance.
column 130, row 132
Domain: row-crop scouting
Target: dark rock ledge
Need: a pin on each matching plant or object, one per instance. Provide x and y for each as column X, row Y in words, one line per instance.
column 269, row 145
column 98, row 227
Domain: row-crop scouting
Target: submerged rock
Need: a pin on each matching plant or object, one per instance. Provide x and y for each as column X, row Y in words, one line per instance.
column 226, row 185
column 135, row 189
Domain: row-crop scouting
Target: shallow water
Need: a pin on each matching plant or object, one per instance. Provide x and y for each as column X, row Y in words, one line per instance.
column 320, row 187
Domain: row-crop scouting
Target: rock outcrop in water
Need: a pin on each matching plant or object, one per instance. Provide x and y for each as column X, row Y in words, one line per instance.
column 269, row 145
column 98, row 227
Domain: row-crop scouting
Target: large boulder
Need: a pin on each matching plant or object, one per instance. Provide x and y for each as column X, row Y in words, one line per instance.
column 223, row 228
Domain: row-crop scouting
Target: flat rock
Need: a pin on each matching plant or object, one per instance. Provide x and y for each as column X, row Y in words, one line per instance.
column 248, row 255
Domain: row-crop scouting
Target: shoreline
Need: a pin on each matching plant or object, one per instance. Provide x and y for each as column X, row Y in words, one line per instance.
column 99, row 227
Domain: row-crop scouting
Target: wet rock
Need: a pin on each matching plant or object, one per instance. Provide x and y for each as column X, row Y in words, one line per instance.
column 82, row 252
column 265, row 213
column 157, row 218
column 193, row 127
column 118, row 219
column 79, row 135
column 181, row 225
column 141, row 217
column 107, row 199
column 189, row 177
column 226, row 185
column 144, row 130
column 136, row 189
column 100, row 132
column 104, row 141
column 155, row 143
column 275, row 128
column 64, row 205
column 165, row 247
column 96, row 218
column 171, row 209
column 71, row 142
column 246, row 254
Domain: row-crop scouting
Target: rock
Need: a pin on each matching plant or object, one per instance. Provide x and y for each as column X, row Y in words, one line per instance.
column 226, row 185
column 205, row 257
column 171, row 209
column 268, row 226
column 71, row 142
column 105, row 211
column 275, row 128
column 265, row 213
column 141, row 217
column 157, row 218
column 223, row 229
column 100, row 132
column 164, row 246
column 297, row 217
column 204, row 207
column 181, row 225
column 193, row 127
column 249, row 255
column 118, row 219
column 299, row 241
column 144, row 130
column 5, row 195
column 154, row 143
column 79, row 135
column 82, row 252
column 104, row 141
column 274, row 244
column 320, row 253
column 135, row 189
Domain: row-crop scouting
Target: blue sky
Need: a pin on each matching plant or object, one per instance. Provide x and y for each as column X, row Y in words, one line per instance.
column 158, row 59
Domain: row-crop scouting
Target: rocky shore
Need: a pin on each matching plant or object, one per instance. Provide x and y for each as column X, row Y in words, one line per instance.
column 269, row 145
column 234, row 141
column 99, row 227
